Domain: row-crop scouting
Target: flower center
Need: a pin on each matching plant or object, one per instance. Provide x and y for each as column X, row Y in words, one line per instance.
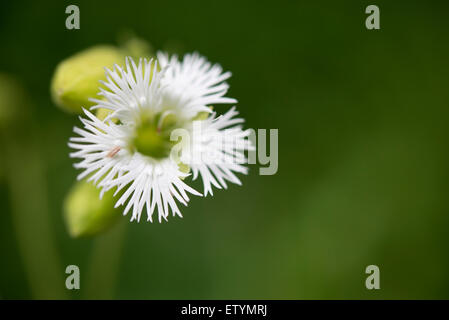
column 152, row 135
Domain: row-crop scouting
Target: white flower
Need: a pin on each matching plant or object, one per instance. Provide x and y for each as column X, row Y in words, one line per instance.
column 131, row 151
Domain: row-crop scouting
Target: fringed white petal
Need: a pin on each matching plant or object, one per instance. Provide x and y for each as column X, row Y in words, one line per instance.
column 217, row 151
column 193, row 84
column 131, row 90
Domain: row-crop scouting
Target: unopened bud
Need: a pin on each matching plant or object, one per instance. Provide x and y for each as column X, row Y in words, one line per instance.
column 75, row 80
column 85, row 213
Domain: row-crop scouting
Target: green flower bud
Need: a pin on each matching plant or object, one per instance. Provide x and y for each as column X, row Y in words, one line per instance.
column 85, row 213
column 76, row 78
column 137, row 48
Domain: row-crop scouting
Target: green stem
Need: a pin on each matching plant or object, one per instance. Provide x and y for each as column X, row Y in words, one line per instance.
column 105, row 262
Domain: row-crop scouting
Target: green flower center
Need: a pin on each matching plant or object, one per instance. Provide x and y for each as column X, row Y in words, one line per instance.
column 152, row 135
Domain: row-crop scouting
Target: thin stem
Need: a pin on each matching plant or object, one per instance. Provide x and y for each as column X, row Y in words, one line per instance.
column 104, row 263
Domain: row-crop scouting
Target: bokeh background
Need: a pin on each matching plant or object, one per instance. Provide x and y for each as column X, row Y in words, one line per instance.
column 363, row 155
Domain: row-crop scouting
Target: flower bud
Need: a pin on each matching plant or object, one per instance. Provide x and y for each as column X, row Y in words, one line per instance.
column 76, row 78
column 137, row 48
column 85, row 213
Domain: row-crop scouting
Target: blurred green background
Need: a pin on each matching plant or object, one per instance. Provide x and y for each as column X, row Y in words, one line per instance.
column 363, row 155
